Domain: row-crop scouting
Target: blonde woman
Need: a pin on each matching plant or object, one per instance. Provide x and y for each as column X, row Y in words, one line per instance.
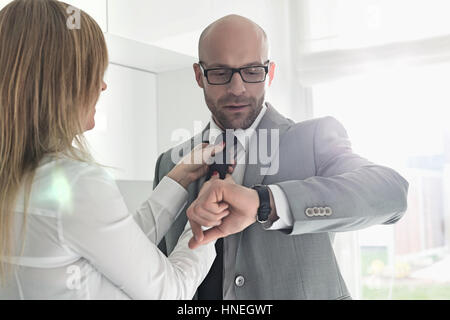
column 65, row 232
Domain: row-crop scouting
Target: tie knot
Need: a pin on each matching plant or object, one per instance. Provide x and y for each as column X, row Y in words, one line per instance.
column 228, row 156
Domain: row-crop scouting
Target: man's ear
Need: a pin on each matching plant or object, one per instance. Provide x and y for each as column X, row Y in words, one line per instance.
column 198, row 75
column 271, row 72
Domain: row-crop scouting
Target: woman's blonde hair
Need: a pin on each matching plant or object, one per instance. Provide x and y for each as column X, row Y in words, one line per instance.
column 51, row 72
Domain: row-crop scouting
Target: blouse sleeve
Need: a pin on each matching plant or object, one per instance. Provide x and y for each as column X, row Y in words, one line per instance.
column 160, row 210
column 99, row 227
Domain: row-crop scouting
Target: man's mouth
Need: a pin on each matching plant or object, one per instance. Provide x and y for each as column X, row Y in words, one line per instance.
column 236, row 107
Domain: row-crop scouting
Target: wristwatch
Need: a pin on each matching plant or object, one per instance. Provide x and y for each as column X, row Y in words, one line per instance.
column 264, row 203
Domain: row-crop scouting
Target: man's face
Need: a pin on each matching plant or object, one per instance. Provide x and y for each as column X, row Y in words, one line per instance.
column 236, row 104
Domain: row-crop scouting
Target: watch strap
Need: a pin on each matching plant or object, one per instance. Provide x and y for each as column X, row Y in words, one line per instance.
column 264, row 208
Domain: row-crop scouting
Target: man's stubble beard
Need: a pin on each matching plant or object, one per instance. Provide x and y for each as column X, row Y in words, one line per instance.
column 220, row 116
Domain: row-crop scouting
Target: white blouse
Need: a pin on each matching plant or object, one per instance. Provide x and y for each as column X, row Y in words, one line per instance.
column 82, row 243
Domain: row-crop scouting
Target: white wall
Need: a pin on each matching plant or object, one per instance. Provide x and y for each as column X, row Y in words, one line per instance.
column 97, row 9
column 125, row 135
column 4, row 3
column 182, row 109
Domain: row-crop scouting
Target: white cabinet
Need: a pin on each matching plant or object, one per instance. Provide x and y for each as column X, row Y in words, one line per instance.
column 125, row 135
column 131, row 53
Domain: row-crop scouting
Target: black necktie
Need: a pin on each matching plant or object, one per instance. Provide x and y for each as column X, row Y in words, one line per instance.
column 211, row 288
column 230, row 151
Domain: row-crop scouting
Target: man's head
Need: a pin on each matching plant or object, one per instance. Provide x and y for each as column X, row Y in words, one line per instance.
column 233, row 42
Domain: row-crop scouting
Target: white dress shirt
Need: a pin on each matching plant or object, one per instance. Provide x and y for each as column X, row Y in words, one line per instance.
column 82, row 243
column 281, row 203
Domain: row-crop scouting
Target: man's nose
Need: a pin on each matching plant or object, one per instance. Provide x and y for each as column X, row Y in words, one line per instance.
column 236, row 85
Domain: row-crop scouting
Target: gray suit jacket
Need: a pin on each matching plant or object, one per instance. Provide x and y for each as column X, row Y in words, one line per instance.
column 317, row 168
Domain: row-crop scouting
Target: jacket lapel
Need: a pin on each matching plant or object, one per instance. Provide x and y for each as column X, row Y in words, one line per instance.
column 205, row 138
column 271, row 124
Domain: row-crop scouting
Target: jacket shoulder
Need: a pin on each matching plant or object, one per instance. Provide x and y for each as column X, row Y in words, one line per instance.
column 168, row 159
column 327, row 125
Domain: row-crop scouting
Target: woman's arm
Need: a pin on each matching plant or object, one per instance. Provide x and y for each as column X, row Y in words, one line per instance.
column 161, row 209
column 99, row 227
column 168, row 199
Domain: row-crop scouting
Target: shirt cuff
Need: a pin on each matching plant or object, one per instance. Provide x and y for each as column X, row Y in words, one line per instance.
column 170, row 195
column 286, row 220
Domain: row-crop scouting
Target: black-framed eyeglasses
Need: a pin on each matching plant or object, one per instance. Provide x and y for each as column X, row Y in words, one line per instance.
column 249, row 74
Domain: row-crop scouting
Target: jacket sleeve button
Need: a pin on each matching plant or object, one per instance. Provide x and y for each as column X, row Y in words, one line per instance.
column 316, row 211
column 239, row 281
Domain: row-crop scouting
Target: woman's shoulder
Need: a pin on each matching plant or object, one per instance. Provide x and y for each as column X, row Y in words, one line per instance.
column 71, row 169
column 62, row 183
column 62, row 173
column 59, row 179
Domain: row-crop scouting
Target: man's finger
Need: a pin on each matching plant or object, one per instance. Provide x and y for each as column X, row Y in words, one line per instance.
column 213, row 206
column 212, row 234
column 197, row 230
column 193, row 244
column 209, row 235
column 222, row 206
column 206, row 218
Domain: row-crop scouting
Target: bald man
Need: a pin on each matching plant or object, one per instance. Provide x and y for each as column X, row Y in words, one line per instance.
column 285, row 206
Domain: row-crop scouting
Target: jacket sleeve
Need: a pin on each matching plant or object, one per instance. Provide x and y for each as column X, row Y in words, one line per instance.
column 162, row 242
column 157, row 169
column 355, row 192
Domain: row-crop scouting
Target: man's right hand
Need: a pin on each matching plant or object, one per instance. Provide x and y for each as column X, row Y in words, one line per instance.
column 224, row 206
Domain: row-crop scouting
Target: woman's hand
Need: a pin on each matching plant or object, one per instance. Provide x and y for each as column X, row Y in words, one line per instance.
column 195, row 164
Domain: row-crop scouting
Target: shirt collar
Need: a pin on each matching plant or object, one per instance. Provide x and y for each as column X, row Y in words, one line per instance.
column 242, row 135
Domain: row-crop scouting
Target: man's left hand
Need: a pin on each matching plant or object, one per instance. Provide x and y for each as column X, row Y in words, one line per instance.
column 208, row 210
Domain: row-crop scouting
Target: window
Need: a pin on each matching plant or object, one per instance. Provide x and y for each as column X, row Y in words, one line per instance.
column 349, row 24
column 399, row 118
column 382, row 68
